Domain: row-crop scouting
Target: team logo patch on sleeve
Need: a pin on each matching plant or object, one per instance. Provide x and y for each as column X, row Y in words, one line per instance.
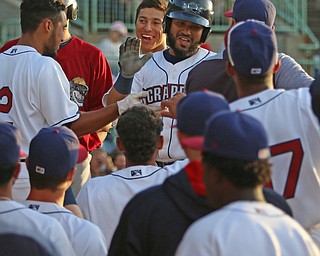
column 78, row 90
column 135, row 173
column 34, row 206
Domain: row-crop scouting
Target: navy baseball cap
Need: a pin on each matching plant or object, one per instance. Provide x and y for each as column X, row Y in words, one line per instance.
column 10, row 142
column 54, row 151
column 262, row 10
column 233, row 135
column 252, row 47
column 194, row 110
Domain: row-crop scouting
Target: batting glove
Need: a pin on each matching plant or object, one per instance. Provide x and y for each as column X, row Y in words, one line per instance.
column 129, row 57
column 130, row 101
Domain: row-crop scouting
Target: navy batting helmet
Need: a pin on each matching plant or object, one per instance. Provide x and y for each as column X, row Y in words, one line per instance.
column 199, row 12
column 72, row 9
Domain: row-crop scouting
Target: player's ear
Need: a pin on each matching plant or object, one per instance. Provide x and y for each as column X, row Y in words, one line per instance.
column 230, row 69
column 119, row 144
column 16, row 171
column 71, row 174
column 47, row 24
column 277, row 66
column 160, row 142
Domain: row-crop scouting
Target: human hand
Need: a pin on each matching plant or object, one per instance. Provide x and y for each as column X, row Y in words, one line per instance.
column 169, row 106
column 129, row 57
column 130, row 101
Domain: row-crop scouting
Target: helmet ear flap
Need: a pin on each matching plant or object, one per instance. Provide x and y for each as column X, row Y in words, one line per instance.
column 167, row 24
column 206, row 32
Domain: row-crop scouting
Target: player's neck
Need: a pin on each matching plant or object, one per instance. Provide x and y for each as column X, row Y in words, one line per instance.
column 130, row 163
column 6, row 191
column 47, row 195
column 67, row 36
column 245, row 91
column 235, row 194
column 32, row 40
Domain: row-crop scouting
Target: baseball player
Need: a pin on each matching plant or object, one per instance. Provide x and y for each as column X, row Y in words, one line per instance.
column 149, row 25
column 292, row 127
column 102, row 199
column 234, row 173
column 35, row 91
column 53, row 155
column 89, row 75
column 187, row 24
column 20, row 241
column 289, row 76
column 181, row 199
column 16, row 214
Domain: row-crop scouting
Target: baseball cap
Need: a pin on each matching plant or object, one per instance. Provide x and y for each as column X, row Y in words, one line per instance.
column 54, row 151
column 262, row 10
column 194, row 110
column 120, row 27
column 10, row 142
column 233, row 135
column 252, row 47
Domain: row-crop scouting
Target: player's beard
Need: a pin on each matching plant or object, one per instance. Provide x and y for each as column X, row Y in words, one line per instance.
column 179, row 52
column 49, row 49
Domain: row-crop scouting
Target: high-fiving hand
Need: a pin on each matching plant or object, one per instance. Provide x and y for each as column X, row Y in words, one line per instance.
column 130, row 61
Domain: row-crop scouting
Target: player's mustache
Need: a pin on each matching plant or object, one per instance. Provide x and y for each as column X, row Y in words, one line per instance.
column 184, row 35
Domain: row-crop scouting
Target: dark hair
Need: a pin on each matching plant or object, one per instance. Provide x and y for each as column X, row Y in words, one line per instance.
column 33, row 12
column 6, row 172
column 160, row 5
column 139, row 131
column 253, row 79
column 40, row 181
column 242, row 174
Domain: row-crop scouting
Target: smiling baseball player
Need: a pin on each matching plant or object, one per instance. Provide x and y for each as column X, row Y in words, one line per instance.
column 187, row 24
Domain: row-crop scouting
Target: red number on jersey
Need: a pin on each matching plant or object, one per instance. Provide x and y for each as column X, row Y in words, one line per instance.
column 5, row 93
column 295, row 147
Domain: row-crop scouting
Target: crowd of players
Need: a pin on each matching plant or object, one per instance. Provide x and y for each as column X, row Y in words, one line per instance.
column 229, row 170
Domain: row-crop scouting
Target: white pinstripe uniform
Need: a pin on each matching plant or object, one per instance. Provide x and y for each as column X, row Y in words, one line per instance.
column 294, row 137
column 162, row 79
column 20, row 216
column 103, row 199
column 86, row 238
column 35, row 94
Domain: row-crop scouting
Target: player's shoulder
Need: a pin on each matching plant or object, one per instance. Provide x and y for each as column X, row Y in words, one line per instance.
column 145, row 202
column 84, row 48
column 134, row 172
column 42, row 220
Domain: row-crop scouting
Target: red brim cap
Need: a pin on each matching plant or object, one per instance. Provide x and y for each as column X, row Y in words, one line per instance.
column 193, row 142
column 83, row 154
column 228, row 14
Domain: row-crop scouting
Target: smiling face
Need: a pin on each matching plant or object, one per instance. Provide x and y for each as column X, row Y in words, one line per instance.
column 149, row 30
column 184, row 38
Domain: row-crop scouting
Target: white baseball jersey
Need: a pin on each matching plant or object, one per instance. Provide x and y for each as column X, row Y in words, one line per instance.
column 35, row 93
column 162, row 80
column 294, row 139
column 102, row 199
column 246, row 228
column 20, row 216
column 86, row 238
